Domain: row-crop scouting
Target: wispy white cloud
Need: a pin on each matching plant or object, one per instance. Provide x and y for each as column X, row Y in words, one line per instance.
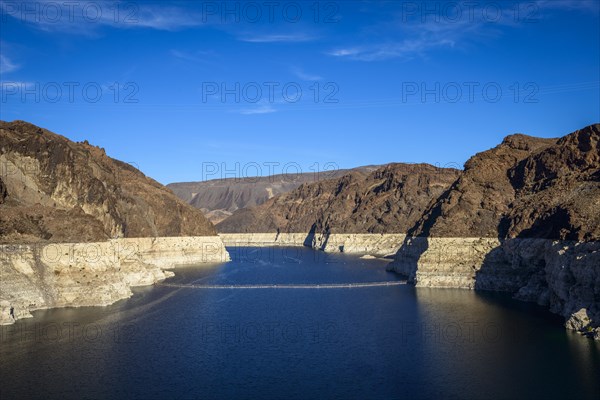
column 345, row 52
column 168, row 18
column 262, row 107
column 127, row 15
column 416, row 35
column 405, row 49
column 305, row 76
column 192, row 56
column 273, row 38
column 415, row 43
column 183, row 55
column 410, row 39
column 6, row 65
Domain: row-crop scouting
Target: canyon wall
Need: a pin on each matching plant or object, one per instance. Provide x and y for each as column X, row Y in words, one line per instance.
column 388, row 200
column 79, row 228
column 219, row 198
column 524, row 218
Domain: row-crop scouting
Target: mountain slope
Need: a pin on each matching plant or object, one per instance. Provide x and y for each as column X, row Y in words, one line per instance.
column 59, row 190
column 387, row 200
column 525, row 187
column 219, row 198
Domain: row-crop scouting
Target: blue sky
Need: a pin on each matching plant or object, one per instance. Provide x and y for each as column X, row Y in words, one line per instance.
column 183, row 88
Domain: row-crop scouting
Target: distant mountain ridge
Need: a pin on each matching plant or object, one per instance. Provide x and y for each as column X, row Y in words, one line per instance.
column 219, row 198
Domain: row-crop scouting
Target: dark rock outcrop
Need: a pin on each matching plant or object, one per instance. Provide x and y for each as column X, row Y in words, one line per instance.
column 527, row 188
column 558, row 191
column 477, row 201
column 3, row 192
column 63, row 191
column 388, row 200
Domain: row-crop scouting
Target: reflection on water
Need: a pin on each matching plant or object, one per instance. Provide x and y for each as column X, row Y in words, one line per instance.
column 379, row 342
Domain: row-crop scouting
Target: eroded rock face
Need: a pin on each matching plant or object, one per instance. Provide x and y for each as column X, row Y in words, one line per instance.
column 558, row 191
column 61, row 206
column 525, row 187
column 372, row 244
column 477, row 201
column 63, row 191
column 388, row 200
column 524, row 217
column 48, row 275
column 578, row 320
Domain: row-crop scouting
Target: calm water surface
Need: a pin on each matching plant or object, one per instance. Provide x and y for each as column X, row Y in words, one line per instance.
column 377, row 343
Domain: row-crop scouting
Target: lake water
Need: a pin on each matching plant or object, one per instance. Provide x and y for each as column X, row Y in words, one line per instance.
column 347, row 343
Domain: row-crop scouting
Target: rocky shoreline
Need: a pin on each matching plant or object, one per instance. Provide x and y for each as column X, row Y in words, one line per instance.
column 52, row 275
column 521, row 218
column 371, row 244
column 559, row 274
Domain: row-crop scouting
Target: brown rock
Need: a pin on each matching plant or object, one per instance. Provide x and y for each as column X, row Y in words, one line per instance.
column 387, row 200
column 525, row 187
column 59, row 190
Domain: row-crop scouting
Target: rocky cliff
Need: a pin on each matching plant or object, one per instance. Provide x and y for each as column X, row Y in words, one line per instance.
column 523, row 217
column 388, row 200
column 57, row 190
column 525, row 187
column 80, row 228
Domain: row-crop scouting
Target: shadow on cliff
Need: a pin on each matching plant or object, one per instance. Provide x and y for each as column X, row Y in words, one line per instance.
column 407, row 257
column 414, row 245
column 309, row 240
column 518, row 265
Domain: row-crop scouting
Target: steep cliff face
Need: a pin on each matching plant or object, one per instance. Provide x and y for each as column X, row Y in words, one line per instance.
column 387, row 200
column 46, row 275
column 525, row 187
column 557, row 191
column 61, row 206
column 476, row 202
column 524, row 217
column 63, row 191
